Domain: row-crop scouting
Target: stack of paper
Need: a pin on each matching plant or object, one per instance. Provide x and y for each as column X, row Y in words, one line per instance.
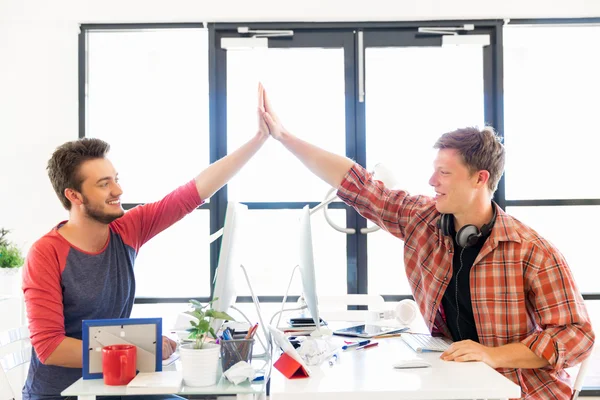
column 164, row 382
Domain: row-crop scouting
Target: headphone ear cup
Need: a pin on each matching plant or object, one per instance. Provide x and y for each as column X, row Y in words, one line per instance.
column 444, row 224
column 467, row 236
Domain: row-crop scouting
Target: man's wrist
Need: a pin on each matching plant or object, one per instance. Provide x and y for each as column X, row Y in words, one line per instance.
column 286, row 137
column 493, row 355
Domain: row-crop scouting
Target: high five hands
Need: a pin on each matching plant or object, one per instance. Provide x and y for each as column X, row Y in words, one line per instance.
column 268, row 122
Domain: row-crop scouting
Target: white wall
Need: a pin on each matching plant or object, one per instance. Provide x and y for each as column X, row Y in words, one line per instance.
column 38, row 70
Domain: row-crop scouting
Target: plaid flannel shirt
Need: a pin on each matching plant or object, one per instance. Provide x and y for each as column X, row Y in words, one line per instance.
column 522, row 289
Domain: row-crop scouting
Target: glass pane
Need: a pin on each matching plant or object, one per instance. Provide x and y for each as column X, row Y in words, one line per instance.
column 176, row 262
column 385, row 253
column 413, row 96
column 268, row 311
column 551, row 86
column 167, row 311
column 148, row 97
column 306, row 88
column 271, row 252
column 572, row 230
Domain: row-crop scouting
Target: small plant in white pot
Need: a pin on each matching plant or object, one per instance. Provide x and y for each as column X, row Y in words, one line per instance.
column 11, row 261
column 200, row 359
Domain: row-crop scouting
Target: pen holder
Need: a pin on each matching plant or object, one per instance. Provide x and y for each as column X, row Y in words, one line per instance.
column 234, row 351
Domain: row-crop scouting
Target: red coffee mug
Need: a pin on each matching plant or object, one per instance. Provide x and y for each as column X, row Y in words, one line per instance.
column 118, row 364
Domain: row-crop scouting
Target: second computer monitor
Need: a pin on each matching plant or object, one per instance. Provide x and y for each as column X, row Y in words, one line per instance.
column 307, row 266
column 230, row 258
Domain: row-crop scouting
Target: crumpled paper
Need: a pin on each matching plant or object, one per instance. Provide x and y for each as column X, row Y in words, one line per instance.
column 239, row 372
column 316, row 350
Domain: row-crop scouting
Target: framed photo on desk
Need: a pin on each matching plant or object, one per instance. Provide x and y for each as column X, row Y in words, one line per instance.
column 144, row 333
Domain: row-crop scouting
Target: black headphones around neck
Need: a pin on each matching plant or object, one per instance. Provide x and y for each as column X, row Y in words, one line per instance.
column 468, row 235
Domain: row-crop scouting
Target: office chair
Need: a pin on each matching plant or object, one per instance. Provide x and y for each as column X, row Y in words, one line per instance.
column 581, row 376
column 8, row 340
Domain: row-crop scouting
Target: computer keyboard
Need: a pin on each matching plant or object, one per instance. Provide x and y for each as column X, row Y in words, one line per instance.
column 421, row 342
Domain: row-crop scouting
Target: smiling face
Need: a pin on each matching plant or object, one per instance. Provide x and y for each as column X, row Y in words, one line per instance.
column 100, row 191
column 456, row 187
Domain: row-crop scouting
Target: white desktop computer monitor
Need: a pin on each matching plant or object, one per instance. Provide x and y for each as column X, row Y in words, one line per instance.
column 307, row 266
column 230, row 259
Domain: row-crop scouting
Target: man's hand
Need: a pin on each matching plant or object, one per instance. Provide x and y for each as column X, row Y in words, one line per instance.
column 168, row 347
column 263, row 129
column 275, row 127
column 468, row 350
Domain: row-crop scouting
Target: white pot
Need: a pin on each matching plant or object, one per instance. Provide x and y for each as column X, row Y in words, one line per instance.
column 10, row 281
column 200, row 366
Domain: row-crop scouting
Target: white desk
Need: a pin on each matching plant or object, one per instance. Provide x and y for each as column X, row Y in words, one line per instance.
column 368, row 374
column 90, row 388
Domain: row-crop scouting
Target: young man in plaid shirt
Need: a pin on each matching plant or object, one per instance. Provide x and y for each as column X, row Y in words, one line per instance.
column 505, row 295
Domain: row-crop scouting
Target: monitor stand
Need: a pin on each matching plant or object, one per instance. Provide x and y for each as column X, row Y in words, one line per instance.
column 268, row 347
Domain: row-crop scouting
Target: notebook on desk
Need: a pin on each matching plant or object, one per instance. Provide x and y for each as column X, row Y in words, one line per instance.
column 164, row 382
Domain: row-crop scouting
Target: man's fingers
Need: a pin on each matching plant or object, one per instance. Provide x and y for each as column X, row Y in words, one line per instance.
column 266, row 101
column 269, row 120
column 450, row 351
column 454, row 351
column 467, row 357
column 166, row 350
column 261, row 94
column 168, row 347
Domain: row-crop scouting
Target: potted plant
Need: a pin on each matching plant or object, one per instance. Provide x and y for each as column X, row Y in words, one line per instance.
column 200, row 359
column 11, row 260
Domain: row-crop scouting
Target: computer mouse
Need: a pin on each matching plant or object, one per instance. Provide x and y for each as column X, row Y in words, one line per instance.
column 413, row 363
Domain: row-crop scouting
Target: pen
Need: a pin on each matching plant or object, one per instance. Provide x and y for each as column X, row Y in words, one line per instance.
column 361, row 343
column 227, row 334
column 366, row 346
column 251, row 331
column 254, row 329
column 333, row 360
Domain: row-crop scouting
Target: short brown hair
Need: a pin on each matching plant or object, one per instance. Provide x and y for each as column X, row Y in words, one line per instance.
column 480, row 150
column 64, row 165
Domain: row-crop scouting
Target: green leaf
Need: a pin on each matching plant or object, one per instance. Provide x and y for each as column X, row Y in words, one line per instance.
column 203, row 326
column 193, row 323
column 221, row 315
column 196, row 314
column 196, row 303
column 212, row 332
